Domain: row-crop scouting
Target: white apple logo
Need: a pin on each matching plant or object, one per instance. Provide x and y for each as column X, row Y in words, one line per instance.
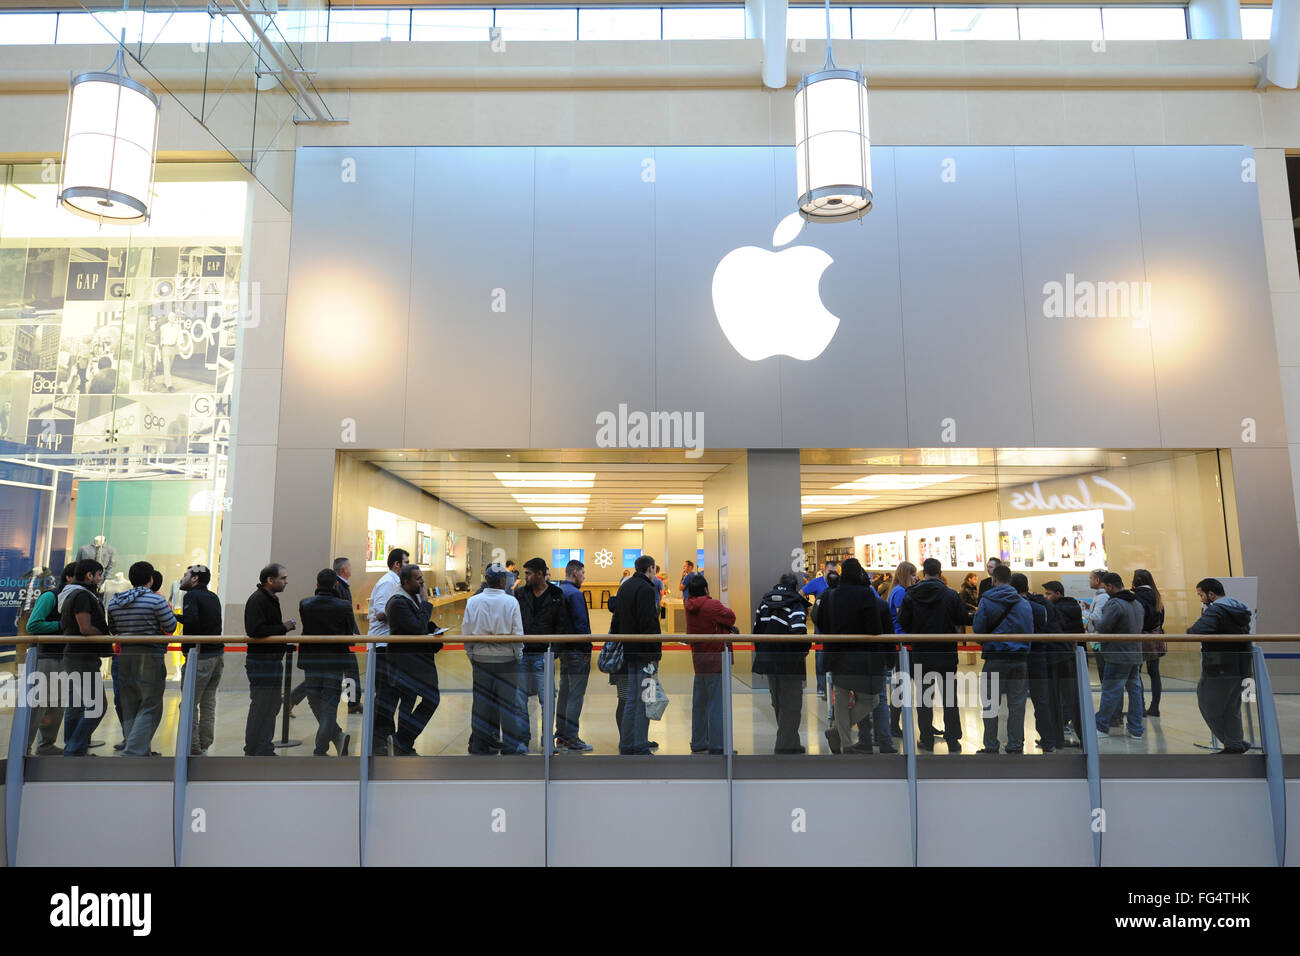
column 768, row 303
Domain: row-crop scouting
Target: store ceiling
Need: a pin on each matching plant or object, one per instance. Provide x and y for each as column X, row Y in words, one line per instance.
column 625, row 482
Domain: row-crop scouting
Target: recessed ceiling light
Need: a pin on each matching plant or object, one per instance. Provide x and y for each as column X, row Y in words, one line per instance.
column 577, row 499
column 833, row 499
column 633, row 526
column 652, row 511
column 809, row 511
column 554, row 510
column 679, row 500
column 896, row 482
column 546, row 479
column 577, row 526
column 651, row 517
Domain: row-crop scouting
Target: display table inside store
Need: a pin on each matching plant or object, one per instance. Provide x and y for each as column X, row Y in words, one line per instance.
column 448, row 611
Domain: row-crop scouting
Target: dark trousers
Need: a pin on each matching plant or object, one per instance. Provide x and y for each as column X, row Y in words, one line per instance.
column 384, row 704
column 1047, row 708
column 352, row 670
column 575, row 670
column 265, row 696
column 1005, row 676
column 323, row 685
column 1153, row 669
column 1062, row 674
column 1219, row 696
column 787, row 703
column 944, row 668
column 416, row 677
column 495, row 713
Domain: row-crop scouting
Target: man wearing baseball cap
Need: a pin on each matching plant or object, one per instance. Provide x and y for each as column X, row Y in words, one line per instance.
column 544, row 611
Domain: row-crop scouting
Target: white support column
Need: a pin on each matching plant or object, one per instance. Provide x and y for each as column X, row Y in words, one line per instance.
column 1283, row 68
column 1214, row 19
column 753, row 19
column 774, row 47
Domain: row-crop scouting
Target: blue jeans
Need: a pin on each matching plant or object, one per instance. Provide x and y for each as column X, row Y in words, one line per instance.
column 634, row 731
column 142, row 678
column 575, row 669
column 706, row 713
column 532, row 678
column 80, row 722
column 1116, row 679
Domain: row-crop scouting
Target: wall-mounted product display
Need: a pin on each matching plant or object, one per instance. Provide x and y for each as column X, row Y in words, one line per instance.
column 562, row 556
column 881, row 551
column 1069, row 541
column 629, row 556
column 958, row 547
column 837, row 550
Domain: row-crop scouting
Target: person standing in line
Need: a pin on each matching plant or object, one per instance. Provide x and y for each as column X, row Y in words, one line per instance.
column 1153, row 622
column 264, row 660
column 988, row 582
column 1048, row 719
column 1100, row 596
column 688, row 569
column 81, row 615
column 544, row 610
column 820, row 616
column 904, row 578
column 636, row 612
column 1006, row 669
column 783, row 610
column 351, row 671
column 513, row 573
column 1225, row 666
column 386, row 696
column 575, row 663
column 705, row 615
column 1122, row 660
column 970, row 594
column 201, row 617
column 43, row 620
column 1061, row 669
column 322, row 663
column 412, row 666
column 658, row 581
column 495, row 720
column 855, row 667
column 143, row 668
column 931, row 607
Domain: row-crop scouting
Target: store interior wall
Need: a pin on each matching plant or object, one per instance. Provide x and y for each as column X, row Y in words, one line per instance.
column 1176, row 529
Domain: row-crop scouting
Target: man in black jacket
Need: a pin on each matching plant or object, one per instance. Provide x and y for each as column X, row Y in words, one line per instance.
column 544, row 610
column 931, row 607
column 412, row 666
column 81, row 614
column 265, row 661
column 322, row 663
column 1225, row 666
column 856, row 668
column 636, row 611
column 1061, row 666
column 343, row 589
column 201, row 616
column 1043, row 665
column 784, row 610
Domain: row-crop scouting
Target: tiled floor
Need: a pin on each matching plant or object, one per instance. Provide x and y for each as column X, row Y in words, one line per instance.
column 1179, row 729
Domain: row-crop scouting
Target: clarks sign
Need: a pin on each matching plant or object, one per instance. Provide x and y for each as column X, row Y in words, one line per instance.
column 1033, row 499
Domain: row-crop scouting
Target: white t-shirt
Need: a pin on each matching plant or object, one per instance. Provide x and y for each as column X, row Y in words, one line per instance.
column 384, row 588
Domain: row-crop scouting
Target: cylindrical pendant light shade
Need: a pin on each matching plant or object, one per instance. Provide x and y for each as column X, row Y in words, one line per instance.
column 108, row 148
column 832, row 146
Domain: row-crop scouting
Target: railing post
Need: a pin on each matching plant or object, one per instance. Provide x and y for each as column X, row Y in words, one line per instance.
column 1088, row 740
column 184, row 741
column 367, row 734
column 16, row 767
column 1272, row 751
column 909, row 739
column 728, row 729
column 547, row 734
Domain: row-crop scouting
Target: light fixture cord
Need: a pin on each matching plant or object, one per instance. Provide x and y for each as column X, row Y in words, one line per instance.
column 830, row 60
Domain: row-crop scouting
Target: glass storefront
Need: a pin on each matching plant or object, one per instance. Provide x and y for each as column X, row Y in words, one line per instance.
column 117, row 368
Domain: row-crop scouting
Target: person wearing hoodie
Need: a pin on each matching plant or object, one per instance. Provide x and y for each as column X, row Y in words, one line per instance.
column 81, row 615
column 1121, row 660
column 142, row 670
column 44, row 619
column 784, row 610
column 1153, row 622
column 574, row 661
column 1225, row 666
column 1043, row 662
column 1006, row 662
column 496, row 722
column 818, row 614
column 323, row 663
column 1061, row 668
column 856, row 668
column 931, row 607
column 706, row 615
column 636, row 611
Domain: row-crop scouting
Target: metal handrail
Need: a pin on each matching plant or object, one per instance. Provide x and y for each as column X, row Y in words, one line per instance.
column 295, row 638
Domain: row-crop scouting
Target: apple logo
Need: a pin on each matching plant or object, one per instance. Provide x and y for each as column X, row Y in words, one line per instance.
column 768, row 303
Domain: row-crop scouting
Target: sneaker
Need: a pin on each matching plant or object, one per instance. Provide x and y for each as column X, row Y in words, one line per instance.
column 1049, row 749
column 821, row 694
column 1015, row 750
column 986, row 750
column 927, row 745
column 1133, row 735
column 653, row 745
column 954, row 746
column 885, row 749
column 860, row 749
column 1152, row 712
column 833, row 740
column 49, row 750
column 788, row 750
column 1102, row 735
column 582, row 745
column 121, row 746
column 699, row 750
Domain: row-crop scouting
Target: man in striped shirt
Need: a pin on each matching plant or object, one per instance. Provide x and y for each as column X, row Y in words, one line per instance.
column 142, row 671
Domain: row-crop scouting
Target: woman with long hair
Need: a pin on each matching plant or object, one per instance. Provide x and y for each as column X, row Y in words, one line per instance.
column 1153, row 619
column 970, row 592
column 904, row 577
